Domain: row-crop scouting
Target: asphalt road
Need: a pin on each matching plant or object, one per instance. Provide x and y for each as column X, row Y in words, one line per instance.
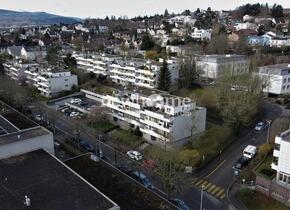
column 219, row 174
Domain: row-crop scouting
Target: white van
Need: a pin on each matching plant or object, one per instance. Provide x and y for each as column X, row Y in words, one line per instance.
column 250, row 151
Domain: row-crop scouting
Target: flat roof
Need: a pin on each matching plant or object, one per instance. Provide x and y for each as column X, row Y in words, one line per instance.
column 274, row 69
column 122, row 189
column 14, row 126
column 48, row 183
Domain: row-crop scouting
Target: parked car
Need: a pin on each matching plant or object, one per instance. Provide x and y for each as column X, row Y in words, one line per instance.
column 135, row 155
column 259, row 126
column 87, row 146
column 250, row 152
column 179, row 203
column 74, row 114
column 38, row 117
column 125, row 169
column 241, row 163
column 76, row 101
column 142, row 178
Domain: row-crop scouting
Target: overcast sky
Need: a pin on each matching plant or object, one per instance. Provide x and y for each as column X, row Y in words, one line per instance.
column 101, row 8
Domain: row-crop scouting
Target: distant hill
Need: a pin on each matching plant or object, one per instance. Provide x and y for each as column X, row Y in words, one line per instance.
column 10, row 18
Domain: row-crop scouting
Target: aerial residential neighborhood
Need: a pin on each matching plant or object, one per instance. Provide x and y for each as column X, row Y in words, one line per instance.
column 152, row 105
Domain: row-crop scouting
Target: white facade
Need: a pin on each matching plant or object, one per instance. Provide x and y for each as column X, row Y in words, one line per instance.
column 162, row 118
column 276, row 78
column 142, row 73
column 212, row 66
column 245, row 26
column 281, row 163
column 182, row 19
column 97, row 64
column 48, row 82
column 201, row 34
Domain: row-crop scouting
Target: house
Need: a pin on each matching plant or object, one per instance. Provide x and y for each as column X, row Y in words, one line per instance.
column 103, row 29
column 276, row 77
column 246, row 25
column 212, row 66
column 182, row 19
column 161, row 117
column 33, row 53
column 201, row 34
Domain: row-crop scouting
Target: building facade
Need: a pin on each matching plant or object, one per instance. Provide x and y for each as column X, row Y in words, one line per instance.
column 276, row 78
column 212, row 66
column 159, row 116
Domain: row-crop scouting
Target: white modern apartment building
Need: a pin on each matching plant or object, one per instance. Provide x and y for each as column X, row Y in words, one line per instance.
column 276, row 78
column 97, row 64
column 141, row 73
column 182, row 19
column 281, row 163
column 159, row 116
column 212, row 66
column 50, row 82
column 201, row 34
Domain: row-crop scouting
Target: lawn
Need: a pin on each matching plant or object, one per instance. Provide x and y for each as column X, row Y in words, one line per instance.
column 125, row 138
column 265, row 169
column 257, row 201
column 102, row 127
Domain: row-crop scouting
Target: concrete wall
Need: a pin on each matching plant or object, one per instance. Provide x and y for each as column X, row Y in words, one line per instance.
column 272, row 189
column 24, row 146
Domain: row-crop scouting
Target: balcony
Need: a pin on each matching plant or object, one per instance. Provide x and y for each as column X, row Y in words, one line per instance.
column 274, row 166
column 276, row 153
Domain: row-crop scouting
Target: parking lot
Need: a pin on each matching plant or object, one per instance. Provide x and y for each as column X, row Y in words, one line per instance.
column 74, row 107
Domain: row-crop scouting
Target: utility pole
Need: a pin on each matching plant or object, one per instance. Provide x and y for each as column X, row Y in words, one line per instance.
column 269, row 127
column 201, row 197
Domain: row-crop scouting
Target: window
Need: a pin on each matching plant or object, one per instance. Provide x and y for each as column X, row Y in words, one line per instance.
column 277, row 147
column 284, row 80
column 283, row 87
column 66, row 80
column 288, row 79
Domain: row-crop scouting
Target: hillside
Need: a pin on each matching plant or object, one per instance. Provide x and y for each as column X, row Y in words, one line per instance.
column 12, row 18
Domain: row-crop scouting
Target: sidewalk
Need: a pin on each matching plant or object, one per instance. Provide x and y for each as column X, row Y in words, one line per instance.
column 232, row 198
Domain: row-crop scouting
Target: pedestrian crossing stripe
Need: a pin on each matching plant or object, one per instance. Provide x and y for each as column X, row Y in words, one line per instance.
column 207, row 186
column 210, row 188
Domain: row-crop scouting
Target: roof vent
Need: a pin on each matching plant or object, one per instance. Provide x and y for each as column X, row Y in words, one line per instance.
column 27, row 201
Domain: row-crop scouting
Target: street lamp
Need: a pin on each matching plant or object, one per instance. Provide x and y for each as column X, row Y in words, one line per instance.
column 268, row 134
column 201, row 197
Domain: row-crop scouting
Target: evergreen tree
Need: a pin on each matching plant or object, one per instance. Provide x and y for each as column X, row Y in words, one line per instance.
column 164, row 77
column 166, row 13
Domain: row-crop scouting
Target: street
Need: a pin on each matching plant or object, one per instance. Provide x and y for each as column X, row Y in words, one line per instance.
column 215, row 178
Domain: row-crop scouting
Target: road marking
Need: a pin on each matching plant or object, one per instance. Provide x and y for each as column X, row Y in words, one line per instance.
column 202, row 183
column 215, row 169
column 215, row 190
column 223, row 196
column 207, row 186
column 219, row 193
column 211, row 188
column 198, row 182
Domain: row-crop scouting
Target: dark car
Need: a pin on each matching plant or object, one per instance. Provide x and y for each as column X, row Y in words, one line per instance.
column 142, row 178
column 179, row 203
column 126, row 169
column 87, row 146
column 241, row 163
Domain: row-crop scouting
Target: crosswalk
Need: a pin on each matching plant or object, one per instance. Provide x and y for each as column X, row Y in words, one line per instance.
column 210, row 188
